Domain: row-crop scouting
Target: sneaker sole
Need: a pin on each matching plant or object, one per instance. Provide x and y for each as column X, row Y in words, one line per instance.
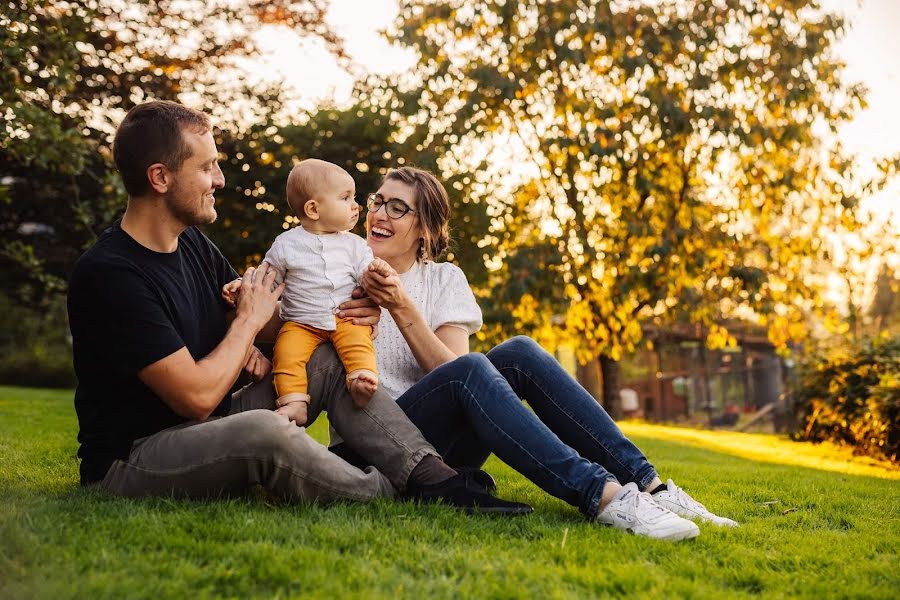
column 698, row 518
column 678, row 537
column 731, row 525
column 675, row 537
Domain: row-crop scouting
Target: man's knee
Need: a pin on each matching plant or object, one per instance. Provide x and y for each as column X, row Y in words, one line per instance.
column 256, row 395
column 327, row 381
column 263, row 433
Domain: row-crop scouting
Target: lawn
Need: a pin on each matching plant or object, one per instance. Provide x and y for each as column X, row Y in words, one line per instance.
column 814, row 525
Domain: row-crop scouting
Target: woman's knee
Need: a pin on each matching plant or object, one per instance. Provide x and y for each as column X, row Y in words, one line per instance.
column 477, row 372
column 472, row 362
column 517, row 347
column 467, row 368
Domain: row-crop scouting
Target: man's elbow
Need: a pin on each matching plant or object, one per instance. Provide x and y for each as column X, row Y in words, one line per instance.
column 195, row 405
column 200, row 413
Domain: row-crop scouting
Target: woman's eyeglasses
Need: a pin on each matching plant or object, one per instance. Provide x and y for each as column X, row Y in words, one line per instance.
column 395, row 207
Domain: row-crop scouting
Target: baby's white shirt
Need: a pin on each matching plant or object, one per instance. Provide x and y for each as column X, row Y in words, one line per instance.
column 319, row 272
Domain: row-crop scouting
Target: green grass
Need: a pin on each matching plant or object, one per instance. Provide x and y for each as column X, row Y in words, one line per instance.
column 831, row 534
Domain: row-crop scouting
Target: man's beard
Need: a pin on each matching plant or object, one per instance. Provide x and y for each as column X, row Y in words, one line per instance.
column 187, row 212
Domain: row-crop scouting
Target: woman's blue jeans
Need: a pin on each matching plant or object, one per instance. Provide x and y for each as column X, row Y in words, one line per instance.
column 568, row 446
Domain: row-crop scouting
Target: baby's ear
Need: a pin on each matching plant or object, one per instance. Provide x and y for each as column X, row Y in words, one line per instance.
column 311, row 210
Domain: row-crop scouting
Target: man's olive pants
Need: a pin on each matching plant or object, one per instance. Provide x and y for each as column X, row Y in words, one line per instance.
column 226, row 456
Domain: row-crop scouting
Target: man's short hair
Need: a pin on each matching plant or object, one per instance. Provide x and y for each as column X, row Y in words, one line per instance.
column 152, row 133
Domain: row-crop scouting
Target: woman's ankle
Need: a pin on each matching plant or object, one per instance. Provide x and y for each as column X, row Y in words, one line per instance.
column 652, row 485
column 610, row 489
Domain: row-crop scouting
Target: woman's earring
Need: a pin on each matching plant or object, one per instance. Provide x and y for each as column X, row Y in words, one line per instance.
column 422, row 256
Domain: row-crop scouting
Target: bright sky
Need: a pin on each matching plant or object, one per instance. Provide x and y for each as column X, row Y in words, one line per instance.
column 310, row 72
column 870, row 49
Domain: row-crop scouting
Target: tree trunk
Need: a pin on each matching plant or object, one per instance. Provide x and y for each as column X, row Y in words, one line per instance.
column 589, row 378
column 611, row 400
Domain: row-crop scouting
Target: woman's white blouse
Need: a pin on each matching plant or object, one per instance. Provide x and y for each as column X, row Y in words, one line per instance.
column 442, row 294
column 319, row 272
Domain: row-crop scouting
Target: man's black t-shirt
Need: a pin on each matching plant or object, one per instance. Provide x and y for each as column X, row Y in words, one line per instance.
column 128, row 308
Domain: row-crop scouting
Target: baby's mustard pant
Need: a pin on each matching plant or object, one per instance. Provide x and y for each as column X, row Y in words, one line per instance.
column 296, row 343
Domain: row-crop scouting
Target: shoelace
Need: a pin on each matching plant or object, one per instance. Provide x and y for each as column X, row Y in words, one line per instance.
column 646, row 509
column 687, row 501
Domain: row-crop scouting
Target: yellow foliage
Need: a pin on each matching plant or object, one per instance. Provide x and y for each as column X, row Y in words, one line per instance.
column 719, row 337
column 708, row 219
column 835, row 324
column 784, row 329
column 526, row 311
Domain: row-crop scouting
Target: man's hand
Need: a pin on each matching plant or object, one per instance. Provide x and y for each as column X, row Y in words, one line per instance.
column 231, row 291
column 258, row 366
column 295, row 411
column 259, row 296
column 361, row 310
column 193, row 388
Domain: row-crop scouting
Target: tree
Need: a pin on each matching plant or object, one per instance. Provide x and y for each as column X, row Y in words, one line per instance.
column 653, row 159
column 69, row 73
column 856, row 244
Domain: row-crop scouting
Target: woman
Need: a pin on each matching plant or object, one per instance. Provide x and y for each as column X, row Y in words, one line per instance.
column 469, row 405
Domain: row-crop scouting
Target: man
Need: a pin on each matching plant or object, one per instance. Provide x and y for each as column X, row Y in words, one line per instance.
column 157, row 354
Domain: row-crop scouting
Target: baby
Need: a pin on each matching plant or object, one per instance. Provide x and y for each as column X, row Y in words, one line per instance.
column 321, row 263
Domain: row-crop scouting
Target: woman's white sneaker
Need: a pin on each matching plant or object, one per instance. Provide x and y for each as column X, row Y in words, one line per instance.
column 635, row 511
column 676, row 500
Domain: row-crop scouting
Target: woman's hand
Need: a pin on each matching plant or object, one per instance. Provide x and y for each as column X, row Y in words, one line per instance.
column 384, row 286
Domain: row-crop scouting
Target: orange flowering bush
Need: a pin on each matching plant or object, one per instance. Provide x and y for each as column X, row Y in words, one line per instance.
column 853, row 398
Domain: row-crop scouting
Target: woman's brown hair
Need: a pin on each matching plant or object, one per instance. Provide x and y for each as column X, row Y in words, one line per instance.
column 432, row 209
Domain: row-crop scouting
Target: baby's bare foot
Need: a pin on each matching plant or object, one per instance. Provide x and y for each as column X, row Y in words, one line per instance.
column 362, row 388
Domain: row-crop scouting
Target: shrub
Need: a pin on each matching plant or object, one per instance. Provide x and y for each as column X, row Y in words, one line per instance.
column 853, row 397
column 34, row 344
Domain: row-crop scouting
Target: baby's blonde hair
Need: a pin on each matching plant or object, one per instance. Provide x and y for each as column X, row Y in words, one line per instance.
column 305, row 181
